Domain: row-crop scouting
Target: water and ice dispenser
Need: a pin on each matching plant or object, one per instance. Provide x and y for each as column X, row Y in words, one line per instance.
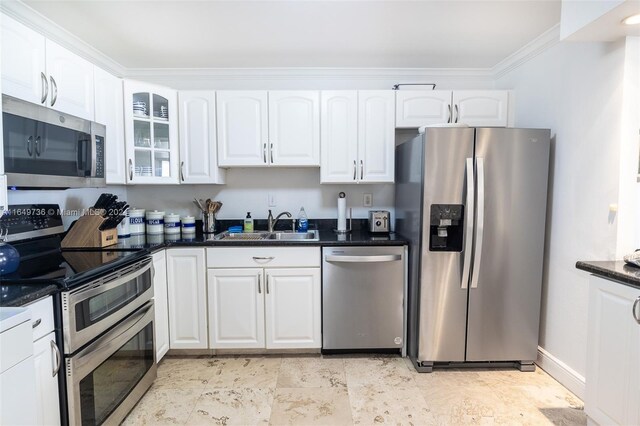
column 446, row 227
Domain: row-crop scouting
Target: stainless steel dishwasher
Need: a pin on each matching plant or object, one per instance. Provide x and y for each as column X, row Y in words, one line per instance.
column 363, row 292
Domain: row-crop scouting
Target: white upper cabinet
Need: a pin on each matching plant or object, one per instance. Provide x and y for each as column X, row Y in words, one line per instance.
column 358, row 136
column 376, row 136
column 294, row 128
column 339, row 134
column 198, row 153
column 416, row 108
column 109, row 111
column 151, row 133
column 70, row 82
column 40, row 71
column 487, row 108
column 260, row 128
column 242, row 128
column 481, row 107
column 23, row 62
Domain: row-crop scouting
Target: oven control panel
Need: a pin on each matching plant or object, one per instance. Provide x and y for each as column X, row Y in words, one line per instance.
column 22, row 221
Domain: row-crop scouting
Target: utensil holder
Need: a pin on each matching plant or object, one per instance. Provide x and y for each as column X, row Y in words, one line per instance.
column 208, row 223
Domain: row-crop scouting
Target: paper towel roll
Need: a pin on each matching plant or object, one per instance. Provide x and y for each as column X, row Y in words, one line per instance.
column 342, row 214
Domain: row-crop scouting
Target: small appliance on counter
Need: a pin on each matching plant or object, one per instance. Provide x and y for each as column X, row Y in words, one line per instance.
column 379, row 221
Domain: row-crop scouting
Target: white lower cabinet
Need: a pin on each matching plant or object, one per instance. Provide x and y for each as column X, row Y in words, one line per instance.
column 161, row 304
column 253, row 305
column 613, row 370
column 187, row 293
column 236, row 308
column 46, row 362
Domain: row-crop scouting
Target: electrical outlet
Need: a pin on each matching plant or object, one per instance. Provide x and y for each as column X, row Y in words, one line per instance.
column 367, row 200
column 272, row 200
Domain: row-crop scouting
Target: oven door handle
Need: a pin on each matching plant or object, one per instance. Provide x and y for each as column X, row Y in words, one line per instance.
column 92, row 290
column 97, row 352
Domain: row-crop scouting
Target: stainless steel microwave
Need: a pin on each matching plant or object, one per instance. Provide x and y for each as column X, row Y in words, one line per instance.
column 44, row 148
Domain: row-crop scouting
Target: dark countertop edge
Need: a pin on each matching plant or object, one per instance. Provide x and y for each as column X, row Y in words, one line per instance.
column 31, row 295
column 616, row 270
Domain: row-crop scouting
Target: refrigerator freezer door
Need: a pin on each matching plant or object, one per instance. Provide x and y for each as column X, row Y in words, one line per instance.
column 504, row 301
column 443, row 294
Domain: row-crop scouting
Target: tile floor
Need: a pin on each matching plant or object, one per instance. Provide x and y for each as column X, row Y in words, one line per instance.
column 315, row 390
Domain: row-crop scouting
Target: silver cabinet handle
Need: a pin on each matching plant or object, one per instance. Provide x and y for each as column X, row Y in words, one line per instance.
column 263, row 257
column 36, row 323
column 271, row 152
column 37, row 145
column 457, row 114
column 264, row 153
column 57, row 356
column 468, row 235
column 45, row 88
column 30, row 146
column 182, row 171
column 363, row 259
column 54, row 90
column 361, row 170
column 477, row 256
column 267, row 284
column 130, row 169
column 259, row 282
column 354, row 169
column 449, row 108
column 634, row 310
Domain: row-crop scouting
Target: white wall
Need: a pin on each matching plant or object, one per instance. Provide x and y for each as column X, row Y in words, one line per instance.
column 575, row 15
column 576, row 90
column 247, row 189
column 69, row 200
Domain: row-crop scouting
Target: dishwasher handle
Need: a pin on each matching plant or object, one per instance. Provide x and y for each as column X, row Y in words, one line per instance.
column 363, row 259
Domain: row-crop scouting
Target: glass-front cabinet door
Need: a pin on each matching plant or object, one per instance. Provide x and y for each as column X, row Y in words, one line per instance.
column 151, row 116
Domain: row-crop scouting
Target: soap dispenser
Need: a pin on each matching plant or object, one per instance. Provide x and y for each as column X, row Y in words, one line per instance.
column 248, row 223
column 303, row 223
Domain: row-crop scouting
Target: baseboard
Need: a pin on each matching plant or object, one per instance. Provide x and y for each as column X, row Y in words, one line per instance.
column 560, row 371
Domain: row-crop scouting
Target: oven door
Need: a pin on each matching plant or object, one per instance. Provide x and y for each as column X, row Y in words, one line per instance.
column 97, row 306
column 108, row 377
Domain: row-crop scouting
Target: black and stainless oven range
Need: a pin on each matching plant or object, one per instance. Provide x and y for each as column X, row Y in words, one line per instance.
column 104, row 315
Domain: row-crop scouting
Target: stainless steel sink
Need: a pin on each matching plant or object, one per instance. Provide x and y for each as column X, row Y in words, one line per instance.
column 266, row 236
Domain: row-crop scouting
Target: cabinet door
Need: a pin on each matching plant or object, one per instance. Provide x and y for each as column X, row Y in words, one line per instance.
column 486, row 108
column 187, row 298
column 70, row 82
column 45, row 360
column 236, row 308
column 198, row 153
column 242, row 128
column 376, row 136
column 339, row 135
column 151, row 133
column 294, row 128
column 293, row 308
column 23, row 62
column 613, row 339
column 109, row 111
column 17, row 388
column 416, row 108
column 161, row 304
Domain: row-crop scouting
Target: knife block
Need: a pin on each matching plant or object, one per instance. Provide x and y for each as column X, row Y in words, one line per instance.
column 86, row 233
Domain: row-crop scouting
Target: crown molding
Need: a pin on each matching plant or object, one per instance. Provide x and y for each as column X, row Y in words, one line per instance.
column 26, row 15
column 544, row 41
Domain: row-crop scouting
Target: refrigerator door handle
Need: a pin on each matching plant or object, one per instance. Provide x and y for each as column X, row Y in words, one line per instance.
column 477, row 254
column 468, row 233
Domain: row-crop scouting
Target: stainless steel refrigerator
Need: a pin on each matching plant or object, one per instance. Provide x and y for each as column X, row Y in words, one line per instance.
column 472, row 202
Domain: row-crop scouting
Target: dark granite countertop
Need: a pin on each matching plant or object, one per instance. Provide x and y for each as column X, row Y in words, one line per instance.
column 615, row 270
column 19, row 295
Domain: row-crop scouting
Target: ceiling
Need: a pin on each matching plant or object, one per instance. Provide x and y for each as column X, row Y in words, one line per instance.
column 247, row 34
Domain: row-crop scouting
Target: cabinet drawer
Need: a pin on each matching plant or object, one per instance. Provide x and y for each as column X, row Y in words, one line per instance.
column 15, row 346
column 263, row 257
column 42, row 317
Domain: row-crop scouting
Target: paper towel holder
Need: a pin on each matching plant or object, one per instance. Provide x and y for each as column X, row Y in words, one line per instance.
column 346, row 231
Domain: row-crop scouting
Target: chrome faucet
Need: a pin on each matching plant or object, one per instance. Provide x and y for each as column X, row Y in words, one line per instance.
column 271, row 222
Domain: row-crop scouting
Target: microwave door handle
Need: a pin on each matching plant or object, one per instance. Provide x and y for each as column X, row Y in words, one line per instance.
column 94, row 155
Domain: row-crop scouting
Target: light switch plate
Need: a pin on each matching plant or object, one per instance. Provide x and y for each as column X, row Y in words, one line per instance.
column 367, row 200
